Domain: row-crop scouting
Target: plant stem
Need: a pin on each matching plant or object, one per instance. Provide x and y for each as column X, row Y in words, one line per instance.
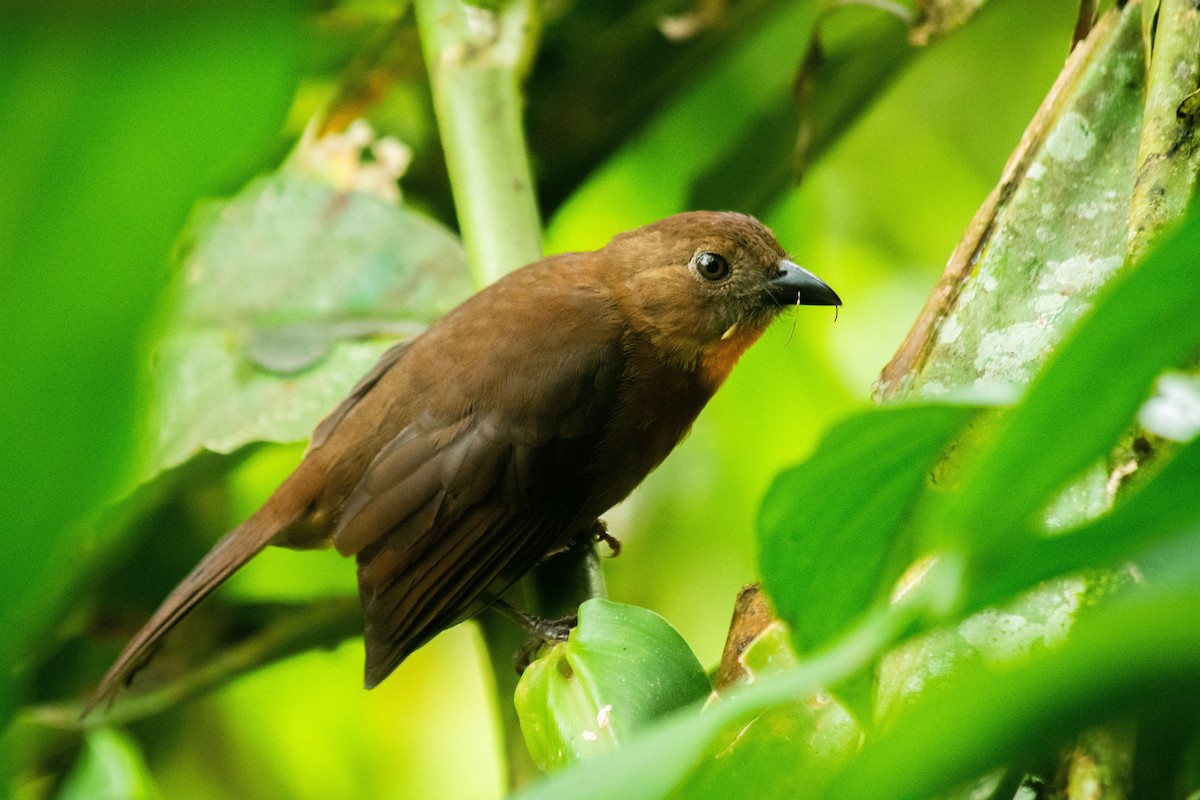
column 318, row 625
column 477, row 58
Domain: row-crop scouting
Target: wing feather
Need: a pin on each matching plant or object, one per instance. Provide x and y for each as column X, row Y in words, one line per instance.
column 365, row 384
column 480, row 483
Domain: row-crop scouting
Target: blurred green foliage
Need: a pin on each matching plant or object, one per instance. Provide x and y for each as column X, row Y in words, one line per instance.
column 115, row 120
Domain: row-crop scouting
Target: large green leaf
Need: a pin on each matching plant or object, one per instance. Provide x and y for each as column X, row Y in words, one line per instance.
column 831, row 531
column 290, row 291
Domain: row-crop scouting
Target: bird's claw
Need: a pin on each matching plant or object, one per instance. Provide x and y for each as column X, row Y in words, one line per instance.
column 600, row 532
column 541, row 632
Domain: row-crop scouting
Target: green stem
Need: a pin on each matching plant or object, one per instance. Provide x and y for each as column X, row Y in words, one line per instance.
column 477, row 57
column 318, row 625
column 502, row 639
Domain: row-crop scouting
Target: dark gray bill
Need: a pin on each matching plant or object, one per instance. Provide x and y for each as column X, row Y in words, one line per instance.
column 795, row 285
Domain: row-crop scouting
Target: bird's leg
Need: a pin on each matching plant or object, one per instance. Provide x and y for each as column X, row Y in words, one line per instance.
column 543, row 630
column 539, row 629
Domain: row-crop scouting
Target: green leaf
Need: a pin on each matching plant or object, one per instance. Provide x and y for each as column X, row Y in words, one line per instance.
column 115, row 118
column 292, row 290
column 1136, row 654
column 846, row 68
column 621, row 668
column 1165, row 508
column 831, row 531
column 855, row 52
column 838, row 81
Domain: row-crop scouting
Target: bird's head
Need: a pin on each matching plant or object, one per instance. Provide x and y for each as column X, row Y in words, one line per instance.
column 703, row 286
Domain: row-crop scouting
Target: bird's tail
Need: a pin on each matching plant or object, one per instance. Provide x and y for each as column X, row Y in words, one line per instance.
column 227, row 556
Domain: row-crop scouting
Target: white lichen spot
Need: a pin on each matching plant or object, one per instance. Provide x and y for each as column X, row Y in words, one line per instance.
column 988, row 282
column 1001, row 636
column 1072, row 139
column 1036, row 171
column 482, row 23
column 939, row 664
column 968, row 295
column 1063, row 606
column 1089, row 210
column 997, row 635
column 1010, row 354
column 950, row 330
column 987, row 387
column 1049, row 304
column 1084, row 499
column 1185, row 71
column 1174, row 411
column 1079, row 272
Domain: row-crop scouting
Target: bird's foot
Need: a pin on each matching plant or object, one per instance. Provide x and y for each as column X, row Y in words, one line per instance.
column 540, row 631
column 540, row 628
column 601, row 534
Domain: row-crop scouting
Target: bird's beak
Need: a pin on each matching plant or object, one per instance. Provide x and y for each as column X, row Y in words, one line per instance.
column 795, row 285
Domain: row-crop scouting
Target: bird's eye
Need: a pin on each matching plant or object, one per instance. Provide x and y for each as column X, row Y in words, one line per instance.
column 712, row 266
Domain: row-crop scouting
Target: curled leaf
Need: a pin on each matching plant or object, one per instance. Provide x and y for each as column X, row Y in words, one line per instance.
column 621, row 668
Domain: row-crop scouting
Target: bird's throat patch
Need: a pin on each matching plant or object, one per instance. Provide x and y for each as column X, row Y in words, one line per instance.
column 717, row 359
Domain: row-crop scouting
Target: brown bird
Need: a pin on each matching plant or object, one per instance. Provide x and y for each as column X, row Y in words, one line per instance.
column 500, row 434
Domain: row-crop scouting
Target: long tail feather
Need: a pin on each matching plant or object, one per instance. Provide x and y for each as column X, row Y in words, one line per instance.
column 228, row 555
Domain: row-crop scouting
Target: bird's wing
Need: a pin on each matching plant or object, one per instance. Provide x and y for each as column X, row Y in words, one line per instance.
column 469, row 496
column 365, row 384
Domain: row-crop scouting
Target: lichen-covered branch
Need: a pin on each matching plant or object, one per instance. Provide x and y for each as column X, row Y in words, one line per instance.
column 1169, row 156
column 1046, row 238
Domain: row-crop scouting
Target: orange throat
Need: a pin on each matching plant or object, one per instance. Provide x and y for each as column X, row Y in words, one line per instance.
column 717, row 360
